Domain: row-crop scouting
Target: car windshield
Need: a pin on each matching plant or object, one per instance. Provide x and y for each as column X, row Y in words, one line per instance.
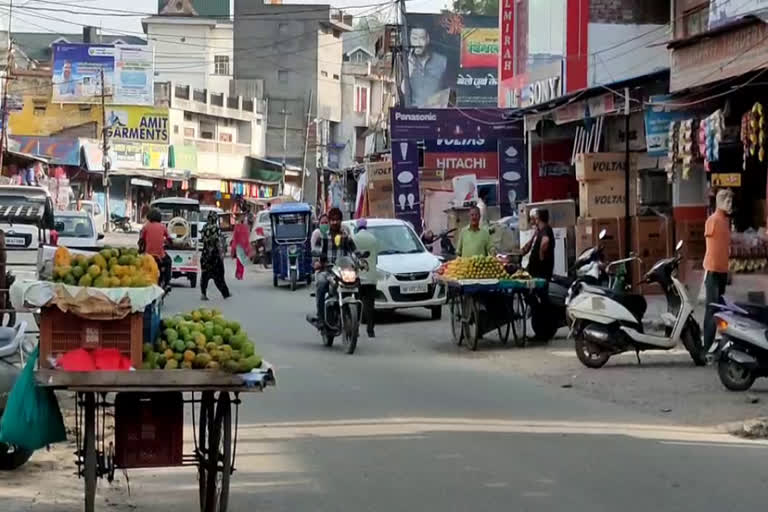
column 74, row 226
column 396, row 240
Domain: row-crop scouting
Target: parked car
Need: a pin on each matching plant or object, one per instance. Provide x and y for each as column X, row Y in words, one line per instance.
column 94, row 208
column 204, row 211
column 24, row 239
column 261, row 238
column 406, row 269
column 77, row 230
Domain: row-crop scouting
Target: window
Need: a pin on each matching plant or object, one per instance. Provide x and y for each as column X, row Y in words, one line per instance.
column 189, row 132
column 39, row 108
column 84, row 108
column 335, row 76
column 283, row 75
column 695, row 21
column 176, row 129
column 337, row 34
column 225, row 137
column 324, row 73
column 361, row 99
column 187, row 116
column 359, row 57
column 221, row 64
column 204, row 134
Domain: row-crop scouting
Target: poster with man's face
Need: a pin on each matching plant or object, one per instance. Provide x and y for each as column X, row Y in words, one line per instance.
column 451, row 53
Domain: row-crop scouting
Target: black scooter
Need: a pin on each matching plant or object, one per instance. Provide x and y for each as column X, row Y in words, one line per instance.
column 120, row 222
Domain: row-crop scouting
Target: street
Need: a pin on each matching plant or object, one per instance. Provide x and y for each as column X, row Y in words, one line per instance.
column 411, row 421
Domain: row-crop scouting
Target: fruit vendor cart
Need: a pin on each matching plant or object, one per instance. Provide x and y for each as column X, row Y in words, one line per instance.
column 480, row 306
column 146, row 408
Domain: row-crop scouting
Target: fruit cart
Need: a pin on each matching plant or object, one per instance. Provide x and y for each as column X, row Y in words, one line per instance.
column 147, row 408
column 481, row 306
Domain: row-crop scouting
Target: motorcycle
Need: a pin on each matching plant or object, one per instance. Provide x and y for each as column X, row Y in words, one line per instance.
column 606, row 322
column 742, row 354
column 120, row 222
column 261, row 253
column 343, row 307
column 447, row 249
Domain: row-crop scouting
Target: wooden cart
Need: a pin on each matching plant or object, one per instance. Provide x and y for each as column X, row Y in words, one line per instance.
column 478, row 307
column 147, row 399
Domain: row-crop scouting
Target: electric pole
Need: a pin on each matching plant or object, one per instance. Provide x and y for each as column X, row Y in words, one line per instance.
column 4, row 119
column 306, row 148
column 404, row 54
column 105, row 148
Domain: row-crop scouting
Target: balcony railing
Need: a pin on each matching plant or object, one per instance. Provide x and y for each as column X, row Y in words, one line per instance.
column 199, row 95
column 181, row 91
column 217, row 99
column 205, row 97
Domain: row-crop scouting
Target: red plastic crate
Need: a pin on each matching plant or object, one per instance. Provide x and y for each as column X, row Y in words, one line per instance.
column 61, row 332
column 149, row 430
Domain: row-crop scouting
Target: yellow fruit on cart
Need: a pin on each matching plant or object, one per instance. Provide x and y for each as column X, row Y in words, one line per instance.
column 189, row 355
column 114, row 282
column 100, row 282
column 94, row 271
column 168, row 354
column 100, row 261
column 86, row 280
column 125, row 281
column 62, row 257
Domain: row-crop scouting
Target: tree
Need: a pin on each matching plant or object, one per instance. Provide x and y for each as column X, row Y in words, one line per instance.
column 484, row 7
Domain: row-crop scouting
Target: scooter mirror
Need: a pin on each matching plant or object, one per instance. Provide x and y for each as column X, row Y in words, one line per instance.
column 679, row 245
column 602, row 234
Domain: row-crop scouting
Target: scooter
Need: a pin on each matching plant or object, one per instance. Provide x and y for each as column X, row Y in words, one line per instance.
column 120, row 222
column 742, row 354
column 343, row 307
column 606, row 322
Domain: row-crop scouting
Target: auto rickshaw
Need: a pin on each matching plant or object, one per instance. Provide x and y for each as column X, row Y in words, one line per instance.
column 291, row 251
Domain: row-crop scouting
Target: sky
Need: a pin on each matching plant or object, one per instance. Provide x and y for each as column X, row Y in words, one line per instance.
column 25, row 19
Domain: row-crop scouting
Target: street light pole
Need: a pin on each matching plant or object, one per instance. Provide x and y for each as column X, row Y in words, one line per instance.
column 105, row 157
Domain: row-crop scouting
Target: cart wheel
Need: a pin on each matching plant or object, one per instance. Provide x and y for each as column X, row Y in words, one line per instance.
column 89, row 442
column 473, row 326
column 457, row 326
column 205, row 426
column 503, row 331
column 519, row 319
column 219, row 460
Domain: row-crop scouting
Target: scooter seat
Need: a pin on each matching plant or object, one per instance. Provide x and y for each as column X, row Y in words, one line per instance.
column 636, row 304
column 563, row 281
column 757, row 311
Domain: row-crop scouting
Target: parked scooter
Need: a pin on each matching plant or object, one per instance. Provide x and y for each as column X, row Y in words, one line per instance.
column 606, row 322
column 120, row 222
column 343, row 307
column 742, row 355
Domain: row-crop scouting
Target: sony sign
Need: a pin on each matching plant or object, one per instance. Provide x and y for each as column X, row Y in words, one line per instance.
column 545, row 84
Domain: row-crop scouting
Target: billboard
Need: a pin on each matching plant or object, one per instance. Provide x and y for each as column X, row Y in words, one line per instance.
column 722, row 13
column 138, row 124
column 128, row 74
column 456, row 53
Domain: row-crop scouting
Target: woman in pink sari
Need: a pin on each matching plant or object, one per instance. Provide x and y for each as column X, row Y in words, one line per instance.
column 241, row 246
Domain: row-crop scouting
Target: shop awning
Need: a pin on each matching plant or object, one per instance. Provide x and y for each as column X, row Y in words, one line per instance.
column 139, row 173
column 91, row 157
column 265, row 171
column 208, row 184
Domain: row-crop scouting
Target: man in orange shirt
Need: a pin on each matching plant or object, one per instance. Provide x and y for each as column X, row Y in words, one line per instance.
column 717, row 232
column 152, row 241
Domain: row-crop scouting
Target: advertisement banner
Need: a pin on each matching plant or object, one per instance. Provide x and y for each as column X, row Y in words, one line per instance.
column 657, row 120
column 405, row 169
column 134, row 75
column 135, row 155
column 138, row 124
column 513, row 175
column 60, row 150
column 453, row 52
column 128, row 74
column 77, row 70
column 425, row 124
column 479, row 47
column 724, row 12
column 473, row 145
column 485, row 166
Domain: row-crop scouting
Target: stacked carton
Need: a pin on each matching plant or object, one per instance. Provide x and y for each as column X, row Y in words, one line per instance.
column 601, row 178
column 380, row 190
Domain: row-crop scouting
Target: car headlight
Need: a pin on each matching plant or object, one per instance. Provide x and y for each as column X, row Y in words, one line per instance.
column 383, row 274
column 348, row 275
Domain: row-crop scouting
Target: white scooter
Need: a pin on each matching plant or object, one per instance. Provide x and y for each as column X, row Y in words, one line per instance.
column 605, row 323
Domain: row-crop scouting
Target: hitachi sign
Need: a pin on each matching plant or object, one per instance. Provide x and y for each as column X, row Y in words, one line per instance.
column 460, row 163
column 460, row 142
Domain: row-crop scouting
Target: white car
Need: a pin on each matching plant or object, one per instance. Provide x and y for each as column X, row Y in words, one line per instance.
column 77, row 230
column 406, row 269
column 94, row 208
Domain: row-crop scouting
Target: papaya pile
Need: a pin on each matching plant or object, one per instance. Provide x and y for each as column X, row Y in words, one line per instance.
column 201, row 339
column 109, row 268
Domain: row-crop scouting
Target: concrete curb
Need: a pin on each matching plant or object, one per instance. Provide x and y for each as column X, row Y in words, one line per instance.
column 753, row 428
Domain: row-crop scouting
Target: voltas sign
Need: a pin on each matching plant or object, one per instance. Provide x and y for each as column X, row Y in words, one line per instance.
column 138, row 124
column 602, row 166
column 479, row 145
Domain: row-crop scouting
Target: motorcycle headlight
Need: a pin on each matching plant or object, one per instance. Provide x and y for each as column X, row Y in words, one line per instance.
column 292, row 249
column 348, row 275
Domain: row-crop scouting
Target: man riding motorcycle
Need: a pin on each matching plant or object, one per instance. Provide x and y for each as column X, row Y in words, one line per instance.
column 152, row 240
column 329, row 252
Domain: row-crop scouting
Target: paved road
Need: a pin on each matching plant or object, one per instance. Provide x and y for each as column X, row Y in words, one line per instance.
column 410, row 422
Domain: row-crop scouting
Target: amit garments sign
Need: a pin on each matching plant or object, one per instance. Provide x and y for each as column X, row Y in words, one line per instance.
column 138, row 124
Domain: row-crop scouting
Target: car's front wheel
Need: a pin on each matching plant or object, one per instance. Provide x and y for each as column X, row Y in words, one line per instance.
column 437, row 312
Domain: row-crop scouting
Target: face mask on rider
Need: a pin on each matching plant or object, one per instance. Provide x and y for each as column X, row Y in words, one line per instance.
column 324, row 229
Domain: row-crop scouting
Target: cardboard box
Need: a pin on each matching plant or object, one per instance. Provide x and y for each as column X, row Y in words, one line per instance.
column 562, row 213
column 587, row 233
column 605, row 198
column 653, row 238
column 603, row 166
column 692, row 235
